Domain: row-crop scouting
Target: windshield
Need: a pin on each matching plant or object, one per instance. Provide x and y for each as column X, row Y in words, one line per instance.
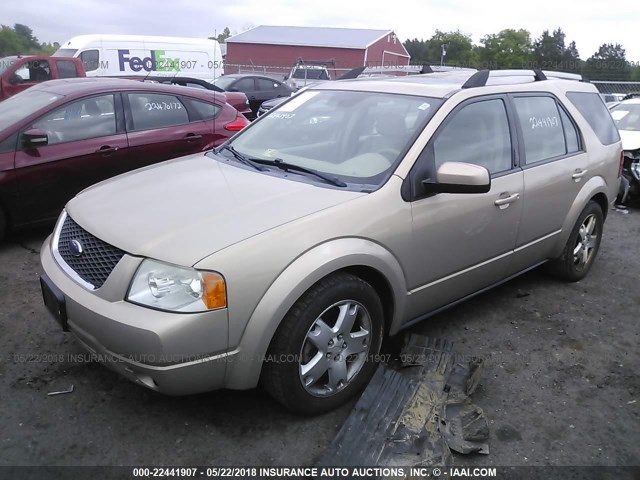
column 22, row 105
column 6, row 63
column 224, row 82
column 357, row 137
column 312, row 73
column 627, row 116
column 65, row 52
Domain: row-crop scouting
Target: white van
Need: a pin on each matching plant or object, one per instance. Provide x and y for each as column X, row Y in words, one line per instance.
column 141, row 55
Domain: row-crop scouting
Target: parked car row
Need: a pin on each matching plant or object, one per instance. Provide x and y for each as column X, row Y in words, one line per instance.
column 349, row 212
column 257, row 88
column 61, row 136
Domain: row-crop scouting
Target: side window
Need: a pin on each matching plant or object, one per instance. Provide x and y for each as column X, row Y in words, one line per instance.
column 155, row 110
column 594, row 111
column 205, row 109
column 66, row 69
column 267, row 85
column 34, row 71
column 91, row 117
column 570, row 133
column 244, row 85
column 90, row 59
column 541, row 126
column 479, row 134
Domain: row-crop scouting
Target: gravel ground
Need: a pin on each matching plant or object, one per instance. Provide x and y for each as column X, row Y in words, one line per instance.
column 561, row 385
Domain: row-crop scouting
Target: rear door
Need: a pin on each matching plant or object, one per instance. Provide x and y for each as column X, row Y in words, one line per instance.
column 86, row 144
column 162, row 126
column 249, row 88
column 555, row 167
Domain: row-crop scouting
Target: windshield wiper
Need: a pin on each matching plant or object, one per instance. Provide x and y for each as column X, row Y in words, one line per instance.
column 242, row 158
column 282, row 165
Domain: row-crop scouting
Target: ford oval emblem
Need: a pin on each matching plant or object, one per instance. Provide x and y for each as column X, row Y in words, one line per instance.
column 75, row 247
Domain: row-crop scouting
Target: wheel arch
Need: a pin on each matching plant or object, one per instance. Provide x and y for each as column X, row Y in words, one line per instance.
column 594, row 190
column 360, row 257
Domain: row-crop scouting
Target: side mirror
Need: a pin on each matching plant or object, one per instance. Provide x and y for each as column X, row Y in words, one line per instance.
column 35, row 138
column 234, row 89
column 15, row 79
column 458, row 177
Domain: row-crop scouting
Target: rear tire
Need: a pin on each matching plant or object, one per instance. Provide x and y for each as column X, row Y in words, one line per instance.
column 325, row 350
column 582, row 246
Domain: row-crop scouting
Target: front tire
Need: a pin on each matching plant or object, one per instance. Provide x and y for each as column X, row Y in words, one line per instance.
column 582, row 246
column 324, row 351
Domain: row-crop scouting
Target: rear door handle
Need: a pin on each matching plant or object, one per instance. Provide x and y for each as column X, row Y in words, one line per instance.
column 107, row 150
column 504, row 202
column 192, row 137
column 578, row 174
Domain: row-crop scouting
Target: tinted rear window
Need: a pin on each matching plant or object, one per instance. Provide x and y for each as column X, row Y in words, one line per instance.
column 593, row 109
column 66, row 69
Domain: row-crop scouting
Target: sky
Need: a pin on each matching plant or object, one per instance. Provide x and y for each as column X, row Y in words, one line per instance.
column 589, row 23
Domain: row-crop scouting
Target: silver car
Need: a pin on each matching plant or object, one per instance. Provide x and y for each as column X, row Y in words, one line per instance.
column 348, row 213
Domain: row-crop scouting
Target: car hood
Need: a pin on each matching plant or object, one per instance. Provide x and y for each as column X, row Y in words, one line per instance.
column 183, row 210
column 630, row 139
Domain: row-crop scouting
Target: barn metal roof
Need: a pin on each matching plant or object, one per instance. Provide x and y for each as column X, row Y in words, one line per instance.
column 356, row 38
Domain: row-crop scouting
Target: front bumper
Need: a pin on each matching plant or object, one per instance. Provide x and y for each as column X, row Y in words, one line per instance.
column 175, row 354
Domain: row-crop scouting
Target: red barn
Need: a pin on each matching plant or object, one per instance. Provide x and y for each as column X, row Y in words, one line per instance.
column 273, row 49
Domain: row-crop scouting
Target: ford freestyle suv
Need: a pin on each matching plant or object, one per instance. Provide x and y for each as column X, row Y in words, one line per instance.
column 350, row 212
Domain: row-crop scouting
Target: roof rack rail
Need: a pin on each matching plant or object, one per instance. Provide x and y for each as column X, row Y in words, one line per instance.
column 480, row 78
column 631, row 95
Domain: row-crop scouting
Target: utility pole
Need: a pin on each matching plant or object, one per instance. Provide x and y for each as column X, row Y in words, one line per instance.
column 444, row 53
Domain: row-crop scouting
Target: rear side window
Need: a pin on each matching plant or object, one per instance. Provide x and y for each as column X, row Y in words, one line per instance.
column 66, row 69
column 570, row 133
column 267, row 85
column 245, row 85
column 593, row 109
column 478, row 134
column 155, row 110
column 547, row 131
column 206, row 110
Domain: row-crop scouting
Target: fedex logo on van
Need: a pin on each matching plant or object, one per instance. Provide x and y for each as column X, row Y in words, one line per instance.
column 155, row 62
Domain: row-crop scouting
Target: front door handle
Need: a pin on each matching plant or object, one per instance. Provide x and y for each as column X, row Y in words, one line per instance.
column 503, row 202
column 578, row 174
column 107, row 150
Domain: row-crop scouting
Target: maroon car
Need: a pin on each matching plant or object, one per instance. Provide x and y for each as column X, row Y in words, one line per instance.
column 62, row 136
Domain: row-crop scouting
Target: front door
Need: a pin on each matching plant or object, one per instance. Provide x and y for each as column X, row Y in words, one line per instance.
column 84, row 147
column 463, row 243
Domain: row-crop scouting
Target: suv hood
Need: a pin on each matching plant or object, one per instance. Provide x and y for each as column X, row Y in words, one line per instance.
column 630, row 139
column 183, row 210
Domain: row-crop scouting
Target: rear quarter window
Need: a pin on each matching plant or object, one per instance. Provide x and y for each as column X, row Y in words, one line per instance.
column 595, row 112
column 66, row 69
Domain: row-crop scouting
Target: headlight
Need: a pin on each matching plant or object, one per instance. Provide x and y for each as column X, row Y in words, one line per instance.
column 176, row 289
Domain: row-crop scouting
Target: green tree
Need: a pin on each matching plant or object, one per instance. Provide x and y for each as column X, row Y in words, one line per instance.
column 29, row 42
column 417, row 50
column 457, row 45
column 550, row 53
column 222, row 37
column 506, row 49
column 10, row 42
column 608, row 63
